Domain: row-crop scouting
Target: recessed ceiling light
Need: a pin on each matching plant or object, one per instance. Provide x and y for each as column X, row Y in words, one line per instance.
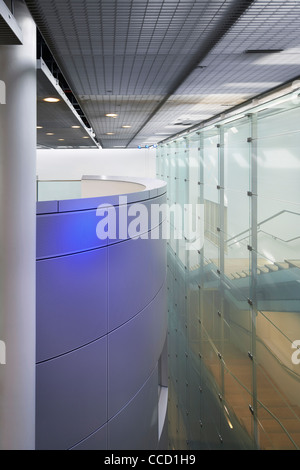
column 110, row 133
column 61, row 139
column 50, row 133
column 51, row 100
column 39, row 127
column 113, row 115
column 85, row 137
column 75, row 127
column 126, row 127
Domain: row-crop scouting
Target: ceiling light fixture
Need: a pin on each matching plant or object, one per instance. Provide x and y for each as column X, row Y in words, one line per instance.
column 113, row 115
column 39, row 127
column 50, row 133
column 51, row 100
column 110, row 133
column 85, row 137
column 126, row 127
column 75, row 127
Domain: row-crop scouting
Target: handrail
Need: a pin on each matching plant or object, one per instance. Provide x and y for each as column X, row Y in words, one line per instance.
column 270, row 234
column 274, row 216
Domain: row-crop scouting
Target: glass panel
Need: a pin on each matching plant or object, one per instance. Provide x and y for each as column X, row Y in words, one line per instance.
column 271, row 433
column 58, row 190
column 278, row 379
column 172, row 173
column 237, row 155
column 237, row 399
column 237, row 239
column 234, row 362
column 194, row 404
column 211, row 195
column 237, row 338
column 194, row 169
column 210, row 356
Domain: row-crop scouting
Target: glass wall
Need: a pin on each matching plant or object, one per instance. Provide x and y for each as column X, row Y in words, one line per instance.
column 234, row 298
column 57, row 190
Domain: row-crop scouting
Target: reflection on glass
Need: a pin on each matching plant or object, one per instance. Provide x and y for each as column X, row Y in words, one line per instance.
column 234, row 304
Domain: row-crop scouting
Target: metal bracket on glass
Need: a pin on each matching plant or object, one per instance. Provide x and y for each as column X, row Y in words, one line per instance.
column 250, row 355
column 249, row 193
column 249, row 301
column 251, row 410
column 249, row 247
column 249, row 139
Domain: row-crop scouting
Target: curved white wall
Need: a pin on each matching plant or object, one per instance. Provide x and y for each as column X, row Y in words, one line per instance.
column 101, row 328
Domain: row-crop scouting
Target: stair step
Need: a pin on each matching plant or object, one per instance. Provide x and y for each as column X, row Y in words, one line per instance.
column 282, row 265
column 294, row 263
column 272, row 267
column 263, row 269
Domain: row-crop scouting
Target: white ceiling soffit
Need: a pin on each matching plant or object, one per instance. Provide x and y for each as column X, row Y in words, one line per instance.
column 10, row 32
column 162, row 66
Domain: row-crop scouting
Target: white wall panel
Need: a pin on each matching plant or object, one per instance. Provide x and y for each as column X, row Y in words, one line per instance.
column 72, row 164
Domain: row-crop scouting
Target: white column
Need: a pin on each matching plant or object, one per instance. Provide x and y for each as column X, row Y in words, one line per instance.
column 17, row 237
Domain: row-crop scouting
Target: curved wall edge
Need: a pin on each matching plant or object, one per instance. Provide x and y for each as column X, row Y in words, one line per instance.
column 101, row 328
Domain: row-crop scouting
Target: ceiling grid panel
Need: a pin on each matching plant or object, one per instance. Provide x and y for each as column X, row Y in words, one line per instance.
column 164, row 64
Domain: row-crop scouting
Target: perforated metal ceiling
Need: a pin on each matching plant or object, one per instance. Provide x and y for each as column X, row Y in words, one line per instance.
column 164, row 65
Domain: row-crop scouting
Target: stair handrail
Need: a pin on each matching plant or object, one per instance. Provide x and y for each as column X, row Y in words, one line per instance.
column 274, row 216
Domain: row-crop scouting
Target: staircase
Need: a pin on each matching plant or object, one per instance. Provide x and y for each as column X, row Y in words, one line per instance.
column 239, row 268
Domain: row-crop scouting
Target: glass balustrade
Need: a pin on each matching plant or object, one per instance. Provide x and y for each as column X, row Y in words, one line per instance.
column 234, row 303
column 57, row 190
